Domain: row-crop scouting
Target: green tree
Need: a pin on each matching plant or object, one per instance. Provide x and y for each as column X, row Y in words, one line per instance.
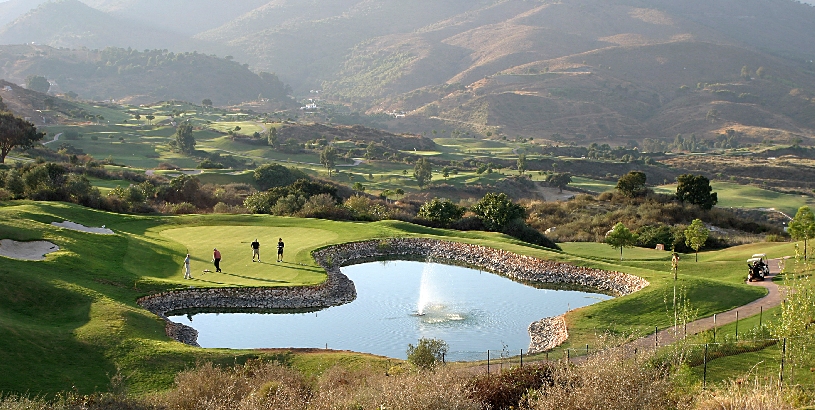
column 761, row 72
column 37, row 83
column 621, row 237
column 328, row 158
column 802, row 227
column 150, row 118
column 696, row 235
column 443, row 211
column 358, row 187
column 497, row 210
column 696, row 189
column 206, row 103
column 275, row 175
column 522, row 164
column 427, row 354
column 560, row 180
column 184, row 139
column 632, row 184
column 745, row 73
column 272, row 139
column 16, row 132
column 423, row 172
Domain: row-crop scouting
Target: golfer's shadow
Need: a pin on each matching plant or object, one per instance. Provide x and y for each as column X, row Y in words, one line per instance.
column 253, row 278
column 290, row 265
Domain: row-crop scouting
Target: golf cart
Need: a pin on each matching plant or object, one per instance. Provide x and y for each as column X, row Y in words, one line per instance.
column 758, row 267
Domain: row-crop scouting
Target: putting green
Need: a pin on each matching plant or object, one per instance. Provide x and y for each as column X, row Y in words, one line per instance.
column 236, row 255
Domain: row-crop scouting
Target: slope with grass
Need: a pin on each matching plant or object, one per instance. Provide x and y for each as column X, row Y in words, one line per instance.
column 72, row 319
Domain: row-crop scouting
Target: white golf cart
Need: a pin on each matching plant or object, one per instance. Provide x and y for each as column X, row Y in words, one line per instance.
column 758, row 268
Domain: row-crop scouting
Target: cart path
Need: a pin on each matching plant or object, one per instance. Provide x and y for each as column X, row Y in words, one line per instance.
column 774, row 297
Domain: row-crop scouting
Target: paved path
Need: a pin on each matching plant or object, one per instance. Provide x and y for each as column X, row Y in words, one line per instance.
column 670, row 335
column 56, row 138
column 773, row 299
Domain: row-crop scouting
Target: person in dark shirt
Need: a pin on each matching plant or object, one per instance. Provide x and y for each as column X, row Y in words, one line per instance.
column 280, row 246
column 216, row 259
column 255, row 250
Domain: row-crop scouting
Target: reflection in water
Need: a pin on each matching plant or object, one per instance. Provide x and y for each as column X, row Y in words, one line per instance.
column 398, row 303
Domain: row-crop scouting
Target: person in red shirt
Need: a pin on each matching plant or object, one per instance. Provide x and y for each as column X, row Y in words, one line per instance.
column 216, row 258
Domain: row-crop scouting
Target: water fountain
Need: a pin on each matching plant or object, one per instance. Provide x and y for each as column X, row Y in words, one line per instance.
column 432, row 306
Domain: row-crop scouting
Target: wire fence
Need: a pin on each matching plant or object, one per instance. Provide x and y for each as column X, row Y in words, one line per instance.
column 784, row 362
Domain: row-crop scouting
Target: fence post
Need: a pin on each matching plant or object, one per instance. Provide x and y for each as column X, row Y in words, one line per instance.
column 522, row 357
column 760, row 317
column 488, row 362
column 442, row 358
column 656, row 336
column 547, row 356
column 714, row 328
column 783, row 355
column 568, row 356
column 704, row 372
column 737, row 325
column 587, row 349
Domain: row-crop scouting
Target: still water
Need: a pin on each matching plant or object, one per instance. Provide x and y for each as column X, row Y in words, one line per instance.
column 397, row 303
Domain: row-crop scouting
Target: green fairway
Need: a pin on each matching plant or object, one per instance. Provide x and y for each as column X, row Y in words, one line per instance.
column 237, row 266
column 747, row 196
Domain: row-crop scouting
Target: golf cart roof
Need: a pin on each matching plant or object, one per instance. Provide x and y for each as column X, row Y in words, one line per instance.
column 759, row 255
column 753, row 260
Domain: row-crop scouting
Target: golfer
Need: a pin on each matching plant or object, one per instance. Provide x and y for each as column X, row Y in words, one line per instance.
column 255, row 250
column 187, row 267
column 280, row 246
column 216, row 259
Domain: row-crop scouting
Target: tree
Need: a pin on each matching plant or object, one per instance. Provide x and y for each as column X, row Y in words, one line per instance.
column 358, row 187
column 560, row 180
column 37, row 83
column 621, row 237
column 696, row 189
column 150, row 119
column 16, row 132
column 632, row 184
column 522, row 164
column 184, row 139
column 423, row 172
column 696, row 235
column 441, row 210
column 761, row 72
column 497, row 210
column 271, row 138
column 745, row 73
column 328, row 158
column 206, row 103
column 427, row 353
column 275, row 175
column 137, row 117
column 802, row 227
column 2, row 105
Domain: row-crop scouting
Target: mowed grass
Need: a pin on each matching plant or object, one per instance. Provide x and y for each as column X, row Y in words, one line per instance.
column 238, row 268
column 732, row 195
column 72, row 320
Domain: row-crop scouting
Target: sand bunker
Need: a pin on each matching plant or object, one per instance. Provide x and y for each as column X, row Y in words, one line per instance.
column 79, row 227
column 27, row 251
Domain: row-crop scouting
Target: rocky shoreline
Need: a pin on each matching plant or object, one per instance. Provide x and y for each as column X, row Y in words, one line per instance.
column 338, row 289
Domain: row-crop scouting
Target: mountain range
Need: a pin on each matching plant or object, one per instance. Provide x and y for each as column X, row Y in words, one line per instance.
column 579, row 69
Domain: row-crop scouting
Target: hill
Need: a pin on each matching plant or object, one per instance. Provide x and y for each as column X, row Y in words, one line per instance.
column 140, row 77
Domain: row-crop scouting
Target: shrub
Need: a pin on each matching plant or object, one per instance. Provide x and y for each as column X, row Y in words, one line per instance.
column 505, row 390
column 520, row 230
column 427, row 353
column 183, row 208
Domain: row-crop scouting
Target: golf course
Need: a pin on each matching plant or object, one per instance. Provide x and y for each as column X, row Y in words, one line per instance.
column 72, row 321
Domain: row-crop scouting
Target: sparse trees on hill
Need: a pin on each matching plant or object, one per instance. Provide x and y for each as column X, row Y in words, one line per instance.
column 184, row 139
column 328, row 158
column 696, row 235
column 696, row 189
column 15, row 132
column 621, row 237
column 37, row 83
column 423, row 172
column 802, row 226
column 632, row 184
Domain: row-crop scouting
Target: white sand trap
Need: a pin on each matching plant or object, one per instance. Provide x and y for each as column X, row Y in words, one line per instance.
column 79, row 227
column 27, row 251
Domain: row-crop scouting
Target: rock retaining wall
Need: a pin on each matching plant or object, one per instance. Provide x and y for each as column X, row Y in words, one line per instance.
column 338, row 289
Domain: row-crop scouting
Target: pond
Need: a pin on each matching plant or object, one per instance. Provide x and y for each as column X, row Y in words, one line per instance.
column 397, row 303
